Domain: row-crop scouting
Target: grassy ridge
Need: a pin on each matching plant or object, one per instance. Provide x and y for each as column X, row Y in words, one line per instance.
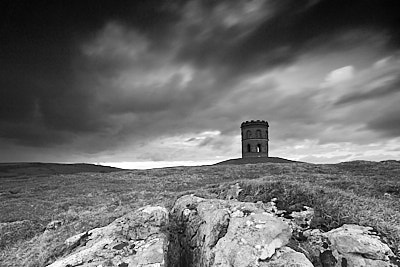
column 366, row 193
column 37, row 168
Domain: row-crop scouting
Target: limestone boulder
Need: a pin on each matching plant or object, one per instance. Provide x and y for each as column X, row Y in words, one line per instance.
column 349, row 245
column 136, row 239
column 354, row 245
column 213, row 232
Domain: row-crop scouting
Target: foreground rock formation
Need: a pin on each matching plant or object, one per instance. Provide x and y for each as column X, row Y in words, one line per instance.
column 135, row 239
column 214, row 232
column 229, row 233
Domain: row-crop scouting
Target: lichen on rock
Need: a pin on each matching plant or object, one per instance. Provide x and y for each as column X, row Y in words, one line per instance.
column 136, row 239
column 242, row 234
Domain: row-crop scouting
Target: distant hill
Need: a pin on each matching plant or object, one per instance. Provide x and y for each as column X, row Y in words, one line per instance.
column 38, row 168
column 239, row 161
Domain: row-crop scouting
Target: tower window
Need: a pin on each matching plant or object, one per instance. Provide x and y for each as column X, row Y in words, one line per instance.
column 248, row 148
column 258, row 148
column 248, row 134
column 258, row 134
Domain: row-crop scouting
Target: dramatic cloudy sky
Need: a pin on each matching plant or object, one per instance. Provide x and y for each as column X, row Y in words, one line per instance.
column 169, row 82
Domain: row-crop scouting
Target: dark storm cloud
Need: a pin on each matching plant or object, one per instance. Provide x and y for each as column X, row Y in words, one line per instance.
column 119, row 68
column 387, row 123
column 46, row 100
column 286, row 30
column 392, row 88
column 40, row 72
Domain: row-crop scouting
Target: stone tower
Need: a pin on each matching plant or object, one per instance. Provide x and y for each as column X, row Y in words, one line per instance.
column 254, row 139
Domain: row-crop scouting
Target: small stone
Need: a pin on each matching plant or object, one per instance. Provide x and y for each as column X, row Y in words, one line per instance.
column 237, row 214
column 53, row 225
column 186, row 212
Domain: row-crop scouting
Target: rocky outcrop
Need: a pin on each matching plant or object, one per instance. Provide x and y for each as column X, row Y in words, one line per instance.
column 229, row 233
column 135, row 239
column 226, row 233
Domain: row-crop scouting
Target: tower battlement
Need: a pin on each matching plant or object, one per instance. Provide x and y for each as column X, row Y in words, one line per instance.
column 254, row 122
column 254, row 138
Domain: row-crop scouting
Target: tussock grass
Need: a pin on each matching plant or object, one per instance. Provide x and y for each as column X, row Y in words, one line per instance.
column 341, row 193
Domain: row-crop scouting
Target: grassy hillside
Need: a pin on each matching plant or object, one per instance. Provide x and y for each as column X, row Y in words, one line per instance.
column 38, row 168
column 366, row 193
column 256, row 160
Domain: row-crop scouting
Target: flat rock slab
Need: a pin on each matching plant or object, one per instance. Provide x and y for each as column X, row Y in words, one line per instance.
column 133, row 240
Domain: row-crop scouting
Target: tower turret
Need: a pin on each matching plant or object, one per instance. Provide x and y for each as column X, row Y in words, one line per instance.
column 254, row 139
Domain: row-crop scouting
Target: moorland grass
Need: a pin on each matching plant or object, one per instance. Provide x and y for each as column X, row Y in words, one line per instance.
column 365, row 193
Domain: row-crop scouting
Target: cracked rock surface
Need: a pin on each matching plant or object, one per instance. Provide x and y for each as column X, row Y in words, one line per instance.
column 132, row 240
column 355, row 245
column 212, row 232
column 347, row 246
